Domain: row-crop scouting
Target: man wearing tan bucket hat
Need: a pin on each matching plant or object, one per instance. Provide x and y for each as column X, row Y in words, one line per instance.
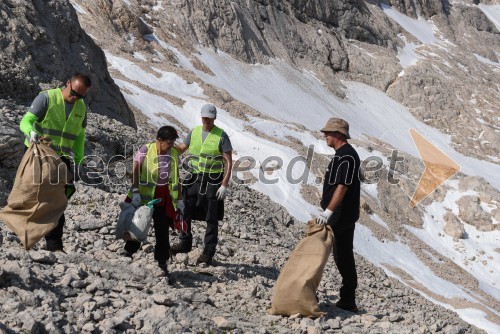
column 340, row 200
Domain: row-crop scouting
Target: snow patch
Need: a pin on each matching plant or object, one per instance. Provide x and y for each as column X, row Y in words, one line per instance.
column 486, row 61
column 376, row 218
column 167, row 82
column 78, row 8
column 420, row 29
column 492, row 12
column 140, row 56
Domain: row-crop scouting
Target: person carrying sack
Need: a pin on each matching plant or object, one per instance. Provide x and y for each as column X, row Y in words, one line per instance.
column 340, row 200
column 156, row 176
column 61, row 115
column 205, row 188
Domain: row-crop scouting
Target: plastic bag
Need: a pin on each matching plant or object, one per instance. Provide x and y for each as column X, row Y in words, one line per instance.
column 141, row 222
column 125, row 219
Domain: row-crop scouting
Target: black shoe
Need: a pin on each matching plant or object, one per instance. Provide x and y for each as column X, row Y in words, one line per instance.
column 163, row 269
column 180, row 248
column 203, row 258
column 124, row 253
column 347, row 307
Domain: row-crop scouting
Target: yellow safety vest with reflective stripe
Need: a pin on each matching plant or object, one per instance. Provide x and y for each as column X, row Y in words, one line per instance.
column 205, row 156
column 149, row 176
column 61, row 130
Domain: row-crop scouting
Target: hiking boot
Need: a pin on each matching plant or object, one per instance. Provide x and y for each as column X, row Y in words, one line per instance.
column 347, row 307
column 203, row 258
column 179, row 248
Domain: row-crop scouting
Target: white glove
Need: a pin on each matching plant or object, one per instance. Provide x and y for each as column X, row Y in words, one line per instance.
column 221, row 193
column 33, row 137
column 323, row 217
column 136, row 200
column 180, row 206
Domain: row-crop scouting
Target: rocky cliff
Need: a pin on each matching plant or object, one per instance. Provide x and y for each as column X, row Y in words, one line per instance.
column 42, row 46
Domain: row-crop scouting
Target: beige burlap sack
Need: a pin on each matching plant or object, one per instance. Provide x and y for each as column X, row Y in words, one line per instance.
column 37, row 199
column 295, row 289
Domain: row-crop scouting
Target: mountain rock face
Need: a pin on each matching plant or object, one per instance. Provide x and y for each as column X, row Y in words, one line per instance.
column 43, row 45
column 354, row 40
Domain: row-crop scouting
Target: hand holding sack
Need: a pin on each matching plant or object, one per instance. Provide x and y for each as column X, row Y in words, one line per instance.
column 323, row 217
column 136, row 199
column 34, row 137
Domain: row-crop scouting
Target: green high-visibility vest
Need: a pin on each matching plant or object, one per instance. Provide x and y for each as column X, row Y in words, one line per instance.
column 63, row 132
column 205, row 156
column 149, row 175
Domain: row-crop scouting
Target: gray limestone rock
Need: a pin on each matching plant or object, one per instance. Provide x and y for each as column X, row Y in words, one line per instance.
column 453, row 226
column 43, row 44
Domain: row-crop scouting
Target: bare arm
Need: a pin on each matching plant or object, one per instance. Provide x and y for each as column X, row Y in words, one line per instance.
column 181, row 148
column 228, row 166
column 337, row 197
column 135, row 175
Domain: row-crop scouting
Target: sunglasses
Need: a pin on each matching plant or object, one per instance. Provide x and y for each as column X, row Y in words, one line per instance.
column 73, row 93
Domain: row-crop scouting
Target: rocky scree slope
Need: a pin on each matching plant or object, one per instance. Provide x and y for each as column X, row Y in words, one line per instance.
column 92, row 289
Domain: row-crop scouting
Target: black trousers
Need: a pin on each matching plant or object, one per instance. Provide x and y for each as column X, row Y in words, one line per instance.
column 161, row 224
column 344, row 259
column 54, row 238
column 201, row 203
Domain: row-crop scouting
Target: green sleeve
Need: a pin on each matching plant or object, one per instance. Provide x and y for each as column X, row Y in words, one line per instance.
column 78, row 147
column 27, row 122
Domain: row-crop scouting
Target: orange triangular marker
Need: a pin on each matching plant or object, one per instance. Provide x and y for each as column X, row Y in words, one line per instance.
column 438, row 168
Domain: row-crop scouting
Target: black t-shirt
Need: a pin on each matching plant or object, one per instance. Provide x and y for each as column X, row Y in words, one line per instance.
column 343, row 169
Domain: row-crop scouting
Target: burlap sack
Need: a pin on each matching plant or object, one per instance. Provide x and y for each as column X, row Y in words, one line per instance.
column 37, row 199
column 295, row 289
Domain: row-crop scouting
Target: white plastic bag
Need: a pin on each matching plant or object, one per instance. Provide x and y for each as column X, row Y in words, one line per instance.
column 142, row 221
column 125, row 219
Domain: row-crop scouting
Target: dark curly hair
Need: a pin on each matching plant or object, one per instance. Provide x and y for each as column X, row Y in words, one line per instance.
column 167, row 132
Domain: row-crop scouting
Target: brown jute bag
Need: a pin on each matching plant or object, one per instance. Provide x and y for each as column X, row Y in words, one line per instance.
column 37, row 199
column 295, row 289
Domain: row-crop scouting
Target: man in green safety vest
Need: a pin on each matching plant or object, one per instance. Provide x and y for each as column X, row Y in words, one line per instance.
column 204, row 189
column 61, row 115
